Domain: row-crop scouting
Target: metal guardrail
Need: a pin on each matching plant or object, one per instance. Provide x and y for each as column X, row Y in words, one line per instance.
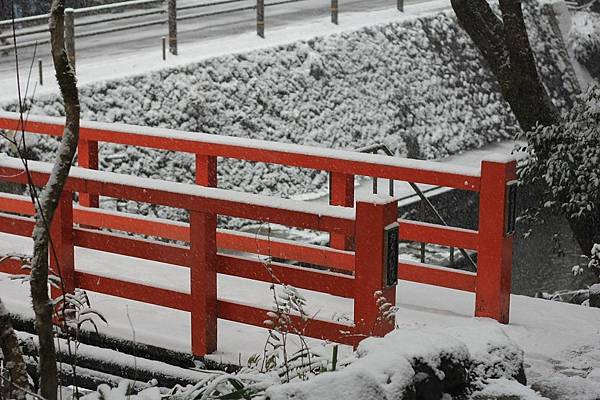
column 84, row 11
column 113, row 7
column 375, row 148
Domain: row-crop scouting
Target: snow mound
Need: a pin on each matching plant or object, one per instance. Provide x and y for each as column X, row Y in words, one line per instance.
column 411, row 362
column 506, row 389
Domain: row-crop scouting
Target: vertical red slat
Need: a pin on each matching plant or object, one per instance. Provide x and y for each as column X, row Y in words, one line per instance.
column 371, row 220
column 203, row 282
column 206, row 170
column 87, row 153
column 62, row 259
column 341, row 193
column 494, row 260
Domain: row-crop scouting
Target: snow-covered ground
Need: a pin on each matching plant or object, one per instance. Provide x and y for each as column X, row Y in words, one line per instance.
column 561, row 341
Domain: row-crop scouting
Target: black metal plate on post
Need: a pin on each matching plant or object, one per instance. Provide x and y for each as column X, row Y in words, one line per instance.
column 390, row 256
column 511, row 207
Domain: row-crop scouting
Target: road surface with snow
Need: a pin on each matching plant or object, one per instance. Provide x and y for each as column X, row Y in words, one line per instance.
column 148, row 39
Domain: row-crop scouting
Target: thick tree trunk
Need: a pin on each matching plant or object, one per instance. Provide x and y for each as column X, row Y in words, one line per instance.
column 48, row 201
column 505, row 46
column 13, row 359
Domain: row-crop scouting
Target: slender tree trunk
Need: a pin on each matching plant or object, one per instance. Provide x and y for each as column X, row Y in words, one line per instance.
column 48, row 201
column 13, row 358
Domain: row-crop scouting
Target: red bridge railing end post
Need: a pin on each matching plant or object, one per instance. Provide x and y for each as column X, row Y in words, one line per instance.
column 494, row 259
column 372, row 219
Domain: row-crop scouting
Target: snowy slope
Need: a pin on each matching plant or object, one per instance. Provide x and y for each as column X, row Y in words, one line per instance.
column 561, row 341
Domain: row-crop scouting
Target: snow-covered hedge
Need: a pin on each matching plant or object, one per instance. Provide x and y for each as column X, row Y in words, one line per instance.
column 420, row 86
column 584, row 39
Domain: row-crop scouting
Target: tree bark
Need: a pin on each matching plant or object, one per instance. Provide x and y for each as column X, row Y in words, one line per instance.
column 48, row 201
column 13, row 358
column 505, row 46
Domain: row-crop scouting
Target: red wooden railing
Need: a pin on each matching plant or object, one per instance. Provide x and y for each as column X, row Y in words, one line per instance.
column 353, row 274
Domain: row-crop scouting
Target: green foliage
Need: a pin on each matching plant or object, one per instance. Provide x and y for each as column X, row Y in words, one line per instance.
column 569, row 168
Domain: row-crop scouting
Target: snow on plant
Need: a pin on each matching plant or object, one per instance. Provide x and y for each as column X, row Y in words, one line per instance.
column 571, row 171
column 593, row 263
column 387, row 312
column 584, row 37
column 288, row 308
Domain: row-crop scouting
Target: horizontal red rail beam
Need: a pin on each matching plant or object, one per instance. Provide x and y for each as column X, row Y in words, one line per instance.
column 313, row 327
column 132, row 247
column 438, row 276
column 13, row 266
column 134, row 291
column 286, row 249
column 191, row 197
column 327, row 282
column 16, row 204
column 346, row 162
column 279, row 248
column 320, row 281
column 16, row 225
column 439, row 234
column 132, row 223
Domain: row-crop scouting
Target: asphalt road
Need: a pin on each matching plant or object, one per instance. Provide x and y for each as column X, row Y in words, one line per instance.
column 193, row 30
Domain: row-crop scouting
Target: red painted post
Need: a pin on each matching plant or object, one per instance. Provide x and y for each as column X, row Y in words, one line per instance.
column 494, row 259
column 203, row 266
column 341, row 193
column 206, row 170
column 88, row 158
column 61, row 232
column 203, row 282
column 371, row 220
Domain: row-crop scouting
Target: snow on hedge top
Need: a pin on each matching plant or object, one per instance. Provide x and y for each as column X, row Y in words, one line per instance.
column 187, row 189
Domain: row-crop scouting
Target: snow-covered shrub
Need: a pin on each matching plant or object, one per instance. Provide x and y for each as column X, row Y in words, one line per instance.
column 584, row 40
column 593, row 263
column 420, row 86
column 571, row 171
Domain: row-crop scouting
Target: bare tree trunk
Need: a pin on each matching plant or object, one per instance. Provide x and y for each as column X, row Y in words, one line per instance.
column 48, row 201
column 13, row 358
column 506, row 49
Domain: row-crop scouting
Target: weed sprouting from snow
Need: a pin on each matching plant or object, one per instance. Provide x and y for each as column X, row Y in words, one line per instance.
column 387, row 312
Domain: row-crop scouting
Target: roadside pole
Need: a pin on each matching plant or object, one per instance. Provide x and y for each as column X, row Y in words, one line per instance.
column 172, row 16
column 260, row 18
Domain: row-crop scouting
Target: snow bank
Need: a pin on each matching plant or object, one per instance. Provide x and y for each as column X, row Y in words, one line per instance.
column 506, row 389
column 420, row 86
column 411, row 361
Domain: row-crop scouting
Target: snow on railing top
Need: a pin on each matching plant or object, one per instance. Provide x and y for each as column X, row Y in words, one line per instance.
column 81, row 178
column 349, row 162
